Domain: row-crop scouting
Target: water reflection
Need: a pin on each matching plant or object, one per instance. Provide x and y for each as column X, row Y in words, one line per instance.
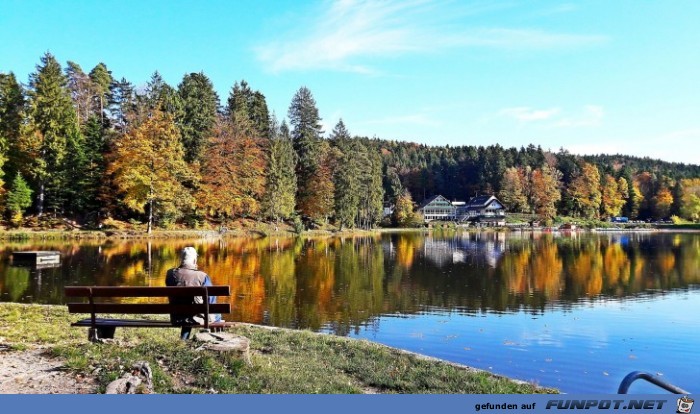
column 576, row 311
column 341, row 284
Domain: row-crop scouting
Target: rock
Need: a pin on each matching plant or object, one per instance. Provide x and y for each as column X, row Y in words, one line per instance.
column 225, row 342
column 139, row 380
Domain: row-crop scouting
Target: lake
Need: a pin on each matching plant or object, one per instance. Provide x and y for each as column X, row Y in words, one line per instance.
column 576, row 311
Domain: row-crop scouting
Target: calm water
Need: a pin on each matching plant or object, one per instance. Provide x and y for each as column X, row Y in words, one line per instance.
column 574, row 311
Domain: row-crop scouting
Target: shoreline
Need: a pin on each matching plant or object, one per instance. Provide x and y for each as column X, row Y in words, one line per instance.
column 78, row 235
column 283, row 360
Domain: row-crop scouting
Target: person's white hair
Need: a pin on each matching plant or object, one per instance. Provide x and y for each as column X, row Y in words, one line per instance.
column 189, row 256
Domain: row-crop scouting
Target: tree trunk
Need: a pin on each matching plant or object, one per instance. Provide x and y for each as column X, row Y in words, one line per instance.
column 40, row 200
column 150, row 209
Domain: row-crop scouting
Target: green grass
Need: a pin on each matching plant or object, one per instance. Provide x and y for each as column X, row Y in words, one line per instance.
column 283, row 361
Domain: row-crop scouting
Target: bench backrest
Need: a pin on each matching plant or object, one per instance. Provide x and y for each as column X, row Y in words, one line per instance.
column 93, row 307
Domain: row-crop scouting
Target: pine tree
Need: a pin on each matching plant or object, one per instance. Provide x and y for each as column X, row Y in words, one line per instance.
column 371, row 191
column 102, row 81
column 347, row 176
column 247, row 108
column 306, row 136
column 82, row 91
column 159, row 96
column 199, row 104
column 55, row 125
column 280, row 191
column 12, row 112
column 121, row 104
column 18, row 198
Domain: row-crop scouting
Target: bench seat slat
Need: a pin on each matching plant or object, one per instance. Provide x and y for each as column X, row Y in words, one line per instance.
column 143, row 323
column 155, row 308
column 145, row 291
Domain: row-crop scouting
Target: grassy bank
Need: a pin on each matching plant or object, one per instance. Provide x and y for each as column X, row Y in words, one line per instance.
column 283, row 361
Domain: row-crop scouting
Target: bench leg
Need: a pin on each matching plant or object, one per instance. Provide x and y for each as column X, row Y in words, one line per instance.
column 101, row 333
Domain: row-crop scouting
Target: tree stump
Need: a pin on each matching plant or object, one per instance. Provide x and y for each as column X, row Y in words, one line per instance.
column 225, row 342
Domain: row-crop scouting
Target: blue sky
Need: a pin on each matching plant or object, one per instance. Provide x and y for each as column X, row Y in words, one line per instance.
column 592, row 77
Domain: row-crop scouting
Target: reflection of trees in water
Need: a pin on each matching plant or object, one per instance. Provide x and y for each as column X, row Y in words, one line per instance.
column 341, row 284
column 541, row 270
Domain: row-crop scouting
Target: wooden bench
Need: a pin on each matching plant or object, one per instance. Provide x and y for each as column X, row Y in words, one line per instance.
column 99, row 301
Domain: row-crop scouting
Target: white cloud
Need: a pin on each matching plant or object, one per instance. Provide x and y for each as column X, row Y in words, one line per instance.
column 348, row 31
column 527, row 114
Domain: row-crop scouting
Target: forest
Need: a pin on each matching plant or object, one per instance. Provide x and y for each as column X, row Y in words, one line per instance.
column 92, row 147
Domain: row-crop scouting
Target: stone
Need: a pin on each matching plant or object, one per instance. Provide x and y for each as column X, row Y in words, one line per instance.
column 225, row 342
column 131, row 382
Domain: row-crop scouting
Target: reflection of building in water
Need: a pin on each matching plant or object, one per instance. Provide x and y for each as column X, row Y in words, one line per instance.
column 474, row 249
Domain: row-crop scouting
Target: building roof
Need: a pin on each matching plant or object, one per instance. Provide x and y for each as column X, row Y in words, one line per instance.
column 481, row 201
column 432, row 199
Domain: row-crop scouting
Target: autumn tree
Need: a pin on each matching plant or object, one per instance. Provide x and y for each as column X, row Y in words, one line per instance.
column 403, row 214
column 514, row 189
column 233, row 172
column 584, row 192
column 318, row 203
column 148, row 167
column 613, row 196
column 690, row 199
column 544, row 191
column 662, row 203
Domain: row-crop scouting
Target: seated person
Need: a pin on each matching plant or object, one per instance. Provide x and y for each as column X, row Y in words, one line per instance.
column 187, row 274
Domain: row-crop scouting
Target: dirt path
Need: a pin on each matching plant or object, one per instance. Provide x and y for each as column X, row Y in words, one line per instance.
column 35, row 371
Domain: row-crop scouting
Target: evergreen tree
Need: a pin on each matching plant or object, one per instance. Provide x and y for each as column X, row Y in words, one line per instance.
column 306, row 136
column 371, row 208
column 280, row 191
column 82, row 91
column 12, row 112
column 159, row 96
column 121, row 104
column 199, row 104
column 248, row 108
column 55, row 125
column 102, row 81
column 347, row 176
column 18, row 198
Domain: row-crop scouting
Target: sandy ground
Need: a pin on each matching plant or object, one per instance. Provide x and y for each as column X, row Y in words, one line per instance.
column 35, row 371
